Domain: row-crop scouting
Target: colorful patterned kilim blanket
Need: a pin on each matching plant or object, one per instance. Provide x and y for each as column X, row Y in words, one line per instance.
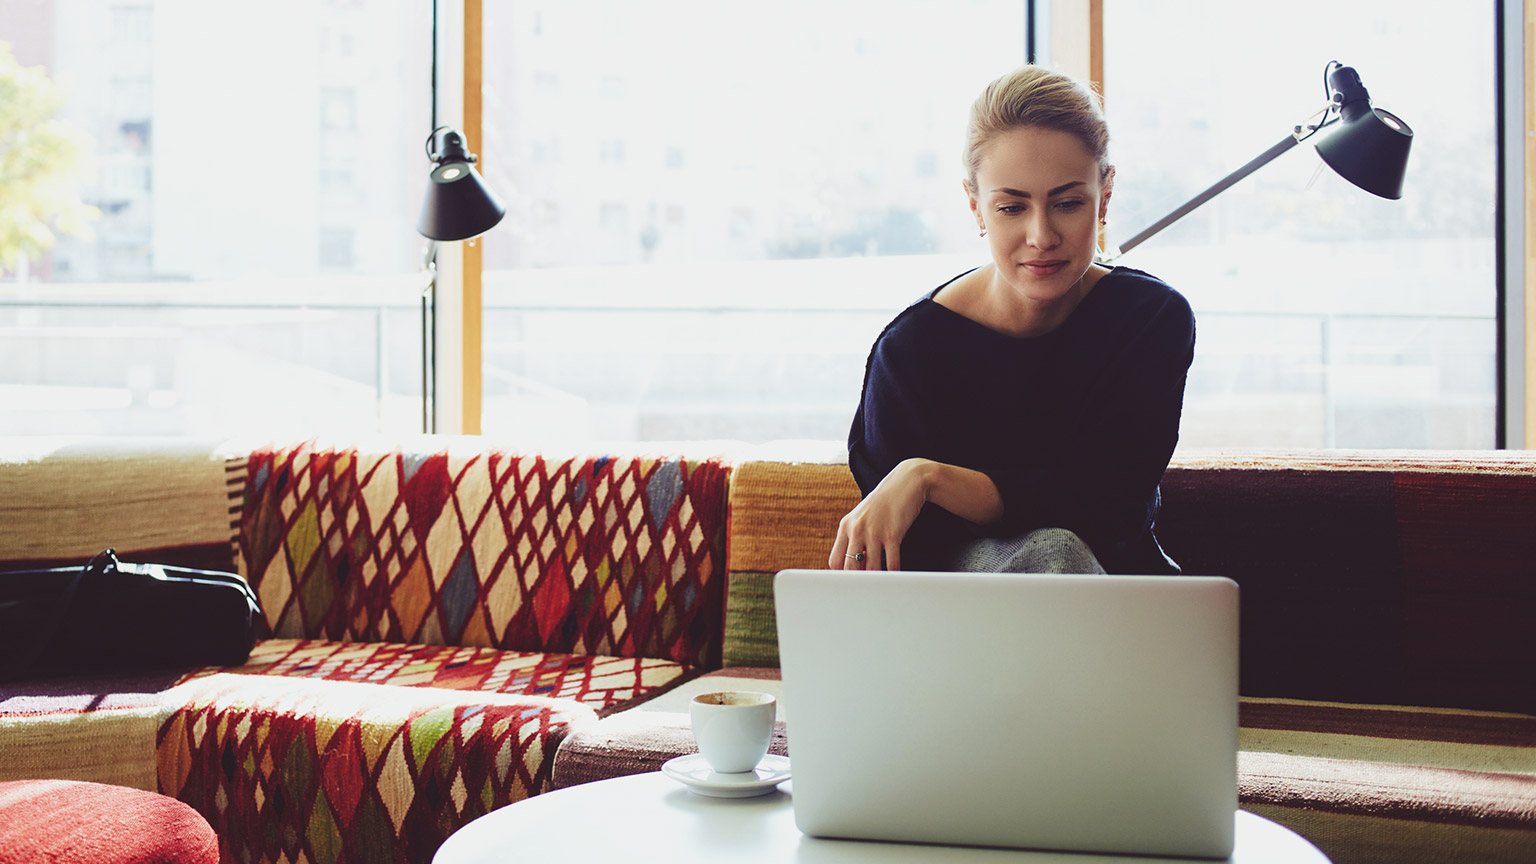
column 329, row 771
column 441, row 620
column 589, row 555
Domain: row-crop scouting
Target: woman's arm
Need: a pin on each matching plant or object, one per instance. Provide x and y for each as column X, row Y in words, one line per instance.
column 880, row 522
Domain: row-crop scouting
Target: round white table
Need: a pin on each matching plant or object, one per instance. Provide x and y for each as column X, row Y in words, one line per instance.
column 649, row 817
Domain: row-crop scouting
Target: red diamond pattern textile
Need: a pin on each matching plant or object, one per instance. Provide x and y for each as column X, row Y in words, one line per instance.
column 605, row 684
column 332, row 772
column 476, row 546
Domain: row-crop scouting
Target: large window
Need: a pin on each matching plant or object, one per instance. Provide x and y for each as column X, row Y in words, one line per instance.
column 254, row 268
column 1327, row 317
column 716, row 206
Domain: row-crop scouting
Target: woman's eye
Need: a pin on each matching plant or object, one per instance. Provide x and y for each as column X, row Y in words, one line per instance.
column 1010, row 208
column 1068, row 206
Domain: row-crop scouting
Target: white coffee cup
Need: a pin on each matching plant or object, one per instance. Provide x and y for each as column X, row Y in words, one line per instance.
column 733, row 728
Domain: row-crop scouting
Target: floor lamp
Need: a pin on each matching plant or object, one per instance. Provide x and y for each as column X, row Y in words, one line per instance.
column 1367, row 146
column 458, row 206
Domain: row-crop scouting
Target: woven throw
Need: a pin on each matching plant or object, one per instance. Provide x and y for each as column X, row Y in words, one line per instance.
column 783, row 515
column 469, row 545
column 289, row 769
column 605, row 684
column 165, row 501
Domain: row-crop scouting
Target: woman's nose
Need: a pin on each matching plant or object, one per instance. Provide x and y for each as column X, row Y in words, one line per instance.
column 1040, row 233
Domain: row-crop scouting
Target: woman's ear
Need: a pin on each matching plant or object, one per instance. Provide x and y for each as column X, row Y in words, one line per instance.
column 1109, row 189
column 970, row 194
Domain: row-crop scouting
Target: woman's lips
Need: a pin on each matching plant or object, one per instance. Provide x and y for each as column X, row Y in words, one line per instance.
column 1043, row 267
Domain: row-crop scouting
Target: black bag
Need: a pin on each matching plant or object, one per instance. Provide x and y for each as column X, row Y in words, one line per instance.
column 108, row 616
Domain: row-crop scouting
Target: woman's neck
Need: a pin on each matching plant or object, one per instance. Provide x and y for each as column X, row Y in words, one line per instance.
column 1008, row 310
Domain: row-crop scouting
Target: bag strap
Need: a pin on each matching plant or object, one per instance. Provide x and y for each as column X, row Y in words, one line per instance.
column 48, row 628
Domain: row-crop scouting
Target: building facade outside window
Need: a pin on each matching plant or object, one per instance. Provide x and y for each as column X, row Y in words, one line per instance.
column 713, row 208
column 255, row 269
column 822, row 190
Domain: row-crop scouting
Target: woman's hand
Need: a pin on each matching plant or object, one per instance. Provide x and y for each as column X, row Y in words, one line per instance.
column 876, row 527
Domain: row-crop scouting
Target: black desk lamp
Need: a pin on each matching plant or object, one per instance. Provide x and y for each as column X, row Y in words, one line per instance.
column 458, row 206
column 1369, row 148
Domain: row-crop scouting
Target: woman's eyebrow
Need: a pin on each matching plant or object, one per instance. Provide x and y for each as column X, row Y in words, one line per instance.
column 1017, row 193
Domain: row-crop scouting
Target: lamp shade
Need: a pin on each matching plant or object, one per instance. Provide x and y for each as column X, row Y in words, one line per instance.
column 1369, row 146
column 458, row 205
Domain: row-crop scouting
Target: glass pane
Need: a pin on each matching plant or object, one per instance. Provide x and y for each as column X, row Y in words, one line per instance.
column 1398, row 296
column 254, row 267
column 714, row 207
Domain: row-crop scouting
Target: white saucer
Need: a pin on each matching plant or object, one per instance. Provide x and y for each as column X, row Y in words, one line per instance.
column 692, row 771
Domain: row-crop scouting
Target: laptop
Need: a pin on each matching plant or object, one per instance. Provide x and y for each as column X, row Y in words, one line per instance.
column 1073, row 713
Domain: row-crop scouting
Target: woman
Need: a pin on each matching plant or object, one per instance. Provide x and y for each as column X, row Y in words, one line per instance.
column 1020, row 416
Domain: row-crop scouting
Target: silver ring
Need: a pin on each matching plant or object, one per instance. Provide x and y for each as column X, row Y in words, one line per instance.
column 857, row 556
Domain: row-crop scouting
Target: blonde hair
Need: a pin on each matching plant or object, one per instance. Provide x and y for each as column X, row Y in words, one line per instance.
column 1034, row 97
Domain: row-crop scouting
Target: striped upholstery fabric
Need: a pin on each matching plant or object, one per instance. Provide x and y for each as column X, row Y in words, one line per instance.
column 784, row 514
column 1386, row 784
column 163, row 500
column 95, row 728
column 1384, row 577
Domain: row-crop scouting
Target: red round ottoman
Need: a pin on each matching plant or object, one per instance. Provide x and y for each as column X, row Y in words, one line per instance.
column 73, row 822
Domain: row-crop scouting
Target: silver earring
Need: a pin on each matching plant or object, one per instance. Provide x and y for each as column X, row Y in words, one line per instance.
column 983, row 232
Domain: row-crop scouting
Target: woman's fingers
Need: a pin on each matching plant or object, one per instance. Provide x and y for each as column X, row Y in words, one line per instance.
column 869, row 537
column 835, row 559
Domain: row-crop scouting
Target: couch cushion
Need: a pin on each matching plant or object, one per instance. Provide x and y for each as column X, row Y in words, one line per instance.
column 784, row 514
column 1371, row 576
column 301, row 769
column 1372, row 783
column 97, row 728
column 162, row 500
column 604, row 684
column 344, row 751
column 454, row 541
column 1389, row 577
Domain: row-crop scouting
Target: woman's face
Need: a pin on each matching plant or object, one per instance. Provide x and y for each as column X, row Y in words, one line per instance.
column 1039, row 198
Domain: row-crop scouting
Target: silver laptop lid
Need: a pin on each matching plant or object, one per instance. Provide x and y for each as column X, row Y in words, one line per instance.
column 1088, row 713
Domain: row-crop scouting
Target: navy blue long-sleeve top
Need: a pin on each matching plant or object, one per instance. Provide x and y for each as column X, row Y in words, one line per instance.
column 1075, row 427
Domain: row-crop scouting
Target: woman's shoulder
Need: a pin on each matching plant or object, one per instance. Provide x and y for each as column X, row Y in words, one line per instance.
column 924, row 318
column 1138, row 294
column 1131, row 282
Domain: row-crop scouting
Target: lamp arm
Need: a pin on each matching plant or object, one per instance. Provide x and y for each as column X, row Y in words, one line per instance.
column 1219, row 187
